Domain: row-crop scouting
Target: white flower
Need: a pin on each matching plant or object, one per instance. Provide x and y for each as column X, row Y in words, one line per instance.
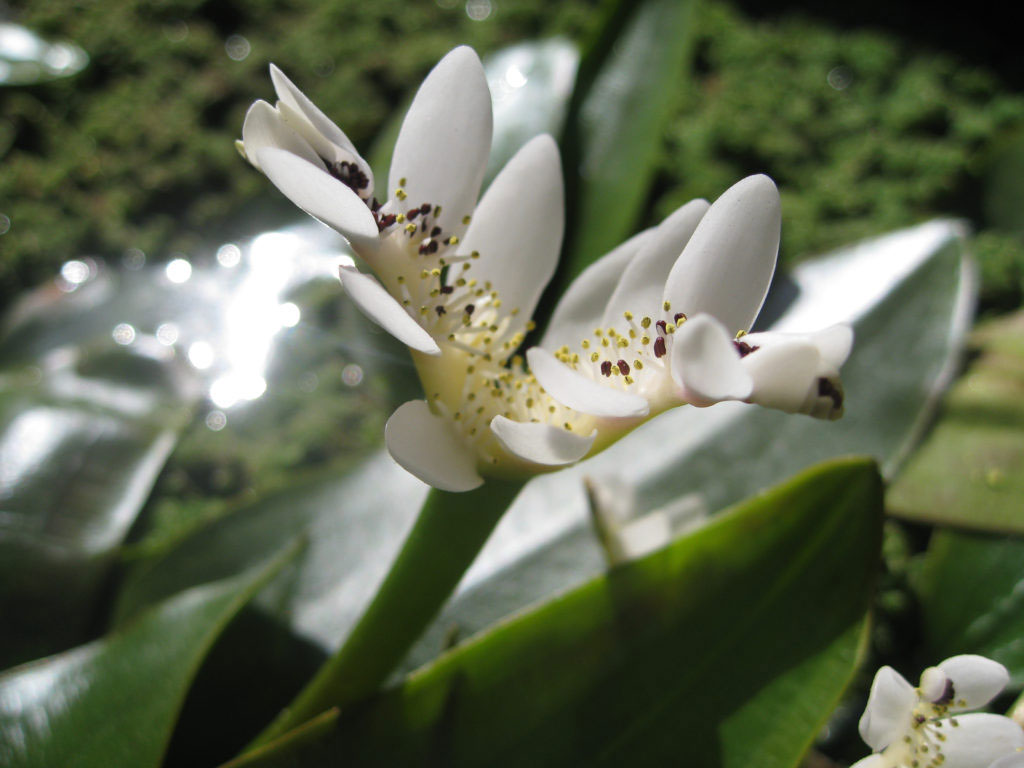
column 457, row 281
column 651, row 325
column 921, row 727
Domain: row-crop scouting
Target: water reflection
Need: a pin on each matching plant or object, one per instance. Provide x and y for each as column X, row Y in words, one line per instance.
column 178, row 270
column 124, row 334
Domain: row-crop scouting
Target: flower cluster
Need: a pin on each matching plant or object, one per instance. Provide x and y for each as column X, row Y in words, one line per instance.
column 658, row 322
column 922, row 727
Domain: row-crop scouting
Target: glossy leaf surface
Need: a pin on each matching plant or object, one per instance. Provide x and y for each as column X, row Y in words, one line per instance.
column 970, row 470
column 621, row 670
column 114, row 702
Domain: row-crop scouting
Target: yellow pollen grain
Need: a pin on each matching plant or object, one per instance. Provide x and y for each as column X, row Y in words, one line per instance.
column 568, row 426
column 461, row 282
column 623, row 342
column 453, row 240
column 604, row 342
column 670, row 327
column 466, row 219
column 638, row 365
column 402, row 181
column 594, row 357
column 410, row 228
column 646, row 322
column 629, row 379
column 628, row 315
column 645, row 340
column 435, row 272
column 531, row 325
column 400, row 194
column 667, row 306
column 551, row 409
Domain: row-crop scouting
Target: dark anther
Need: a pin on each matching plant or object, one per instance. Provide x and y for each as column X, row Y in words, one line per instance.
column 348, row 174
column 662, row 326
column 743, row 348
column 447, row 288
column 413, row 213
column 827, row 389
column 385, row 222
column 375, row 205
column 659, row 346
column 679, row 315
column 425, row 208
column 947, row 693
column 435, row 232
column 623, row 367
column 440, row 310
column 919, row 719
column 469, row 309
column 606, row 368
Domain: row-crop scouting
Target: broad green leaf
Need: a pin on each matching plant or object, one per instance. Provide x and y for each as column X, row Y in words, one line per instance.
column 93, row 395
column 971, row 600
column 114, row 702
column 83, row 436
column 629, row 85
column 970, row 470
column 728, row 648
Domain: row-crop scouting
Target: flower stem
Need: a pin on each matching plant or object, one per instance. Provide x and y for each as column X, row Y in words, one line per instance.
column 449, row 532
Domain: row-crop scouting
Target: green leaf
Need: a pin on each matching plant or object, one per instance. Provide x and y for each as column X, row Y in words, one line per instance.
column 970, row 470
column 114, row 702
column 83, row 435
column 728, row 648
column 629, row 84
column 971, row 601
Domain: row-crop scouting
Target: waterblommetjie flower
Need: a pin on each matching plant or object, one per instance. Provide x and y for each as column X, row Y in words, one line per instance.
column 656, row 323
column 922, row 727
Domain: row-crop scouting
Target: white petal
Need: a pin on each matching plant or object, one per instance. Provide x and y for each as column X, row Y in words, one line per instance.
column 1013, row 760
column 890, row 706
column 541, row 443
column 979, row 740
column 579, row 310
column 321, row 195
column 727, row 266
column 445, row 139
column 706, row 364
column 325, row 128
column 933, row 684
column 575, row 390
column 264, row 127
column 785, row 375
column 428, row 446
column 642, row 286
column 835, row 344
column 517, row 227
column 378, row 305
column 976, row 680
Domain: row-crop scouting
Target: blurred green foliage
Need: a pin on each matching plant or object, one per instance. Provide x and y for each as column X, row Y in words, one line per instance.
column 863, row 130
column 137, row 151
